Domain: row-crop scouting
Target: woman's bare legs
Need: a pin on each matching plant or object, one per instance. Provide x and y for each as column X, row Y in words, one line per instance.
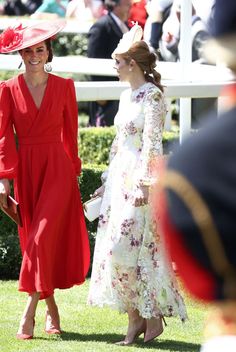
column 154, row 328
column 136, row 327
column 26, row 327
column 52, row 316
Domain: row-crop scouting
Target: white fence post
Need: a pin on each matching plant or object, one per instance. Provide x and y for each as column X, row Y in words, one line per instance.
column 184, row 118
column 185, row 53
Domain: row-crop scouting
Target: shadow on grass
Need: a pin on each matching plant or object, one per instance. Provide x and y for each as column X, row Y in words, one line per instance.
column 112, row 338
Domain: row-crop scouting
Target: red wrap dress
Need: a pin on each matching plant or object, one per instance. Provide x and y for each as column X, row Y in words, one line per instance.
column 44, row 166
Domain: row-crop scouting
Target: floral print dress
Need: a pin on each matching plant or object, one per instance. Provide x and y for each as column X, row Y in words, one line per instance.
column 129, row 266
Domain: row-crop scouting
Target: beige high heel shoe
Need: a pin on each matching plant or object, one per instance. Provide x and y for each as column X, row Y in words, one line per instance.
column 23, row 336
column 156, row 330
column 52, row 323
column 139, row 332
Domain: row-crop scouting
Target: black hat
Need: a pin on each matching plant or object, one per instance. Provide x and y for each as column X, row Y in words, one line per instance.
column 222, row 45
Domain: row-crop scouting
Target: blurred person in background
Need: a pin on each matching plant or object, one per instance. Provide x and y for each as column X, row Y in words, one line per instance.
column 169, row 46
column 85, row 10
column 198, row 200
column 51, row 9
column 158, row 11
column 103, row 38
column 19, row 7
column 138, row 13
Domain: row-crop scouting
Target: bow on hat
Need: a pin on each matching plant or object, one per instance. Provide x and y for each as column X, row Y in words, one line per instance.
column 11, row 38
column 134, row 35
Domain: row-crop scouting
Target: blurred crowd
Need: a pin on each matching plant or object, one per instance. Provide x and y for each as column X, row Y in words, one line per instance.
column 80, row 9
column 160, row 20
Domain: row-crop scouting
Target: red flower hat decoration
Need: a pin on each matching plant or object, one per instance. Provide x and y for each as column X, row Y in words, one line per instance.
column 11, row 38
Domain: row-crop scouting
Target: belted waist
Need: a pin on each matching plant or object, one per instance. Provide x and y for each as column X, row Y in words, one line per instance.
column 32, row 140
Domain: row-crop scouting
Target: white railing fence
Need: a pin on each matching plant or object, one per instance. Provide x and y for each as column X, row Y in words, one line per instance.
column 203, row 81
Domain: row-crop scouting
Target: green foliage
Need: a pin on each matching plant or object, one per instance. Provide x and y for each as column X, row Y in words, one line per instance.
column 90, row 180
column 83, row 117
column 70, row 44
column 10, row 255
column 171, row 136
column 170, row 139
column 95, row 143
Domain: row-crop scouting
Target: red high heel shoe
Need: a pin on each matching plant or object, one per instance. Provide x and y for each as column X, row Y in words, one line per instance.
column 52, row 324
column 22, row 336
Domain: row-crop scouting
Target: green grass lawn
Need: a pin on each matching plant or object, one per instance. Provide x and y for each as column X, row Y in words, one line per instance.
column 90, row 329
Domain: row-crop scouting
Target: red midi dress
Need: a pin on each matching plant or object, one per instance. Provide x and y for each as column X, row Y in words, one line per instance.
column 44, row 166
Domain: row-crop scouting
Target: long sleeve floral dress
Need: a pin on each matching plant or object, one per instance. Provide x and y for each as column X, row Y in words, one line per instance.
column 129, row 266
column 53, row 239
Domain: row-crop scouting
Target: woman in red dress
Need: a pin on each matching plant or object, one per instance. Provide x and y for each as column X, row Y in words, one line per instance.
column 42, row 110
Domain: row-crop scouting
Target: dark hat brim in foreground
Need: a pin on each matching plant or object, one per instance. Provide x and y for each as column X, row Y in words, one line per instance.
column 18, row 38
column 221, row 50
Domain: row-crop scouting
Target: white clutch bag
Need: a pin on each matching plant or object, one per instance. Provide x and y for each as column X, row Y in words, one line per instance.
column 92, row 208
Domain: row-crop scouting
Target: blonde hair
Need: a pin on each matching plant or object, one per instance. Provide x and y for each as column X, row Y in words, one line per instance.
column 146, row 60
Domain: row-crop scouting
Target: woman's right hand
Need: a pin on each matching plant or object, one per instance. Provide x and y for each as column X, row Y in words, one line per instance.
column 99, row 192
column 4, row 192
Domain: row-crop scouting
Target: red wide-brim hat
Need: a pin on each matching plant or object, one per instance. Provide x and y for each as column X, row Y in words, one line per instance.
column 18, row 38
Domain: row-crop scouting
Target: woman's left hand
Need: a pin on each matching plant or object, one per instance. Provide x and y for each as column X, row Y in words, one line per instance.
column 141, row 196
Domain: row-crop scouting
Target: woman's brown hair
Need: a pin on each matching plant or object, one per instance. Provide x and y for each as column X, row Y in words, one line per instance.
column 146, row 60
column 49, row 48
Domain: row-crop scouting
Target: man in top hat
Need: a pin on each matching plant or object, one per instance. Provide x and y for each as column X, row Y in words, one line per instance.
column 198, row 201
column 103, row 38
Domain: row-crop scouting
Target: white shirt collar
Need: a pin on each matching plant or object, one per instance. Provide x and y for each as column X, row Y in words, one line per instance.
column 120, row 23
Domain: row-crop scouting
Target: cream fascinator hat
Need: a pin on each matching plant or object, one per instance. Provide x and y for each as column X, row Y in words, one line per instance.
column 134, row 35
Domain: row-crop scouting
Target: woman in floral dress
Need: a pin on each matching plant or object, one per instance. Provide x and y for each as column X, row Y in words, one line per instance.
column 130, row 272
